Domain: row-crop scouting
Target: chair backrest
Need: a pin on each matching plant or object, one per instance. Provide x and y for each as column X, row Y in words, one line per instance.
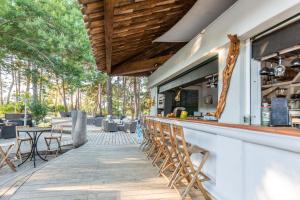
column 57, row 128
column 151, row 128
column 181, row 146
column 167, row 138
column 17, row 130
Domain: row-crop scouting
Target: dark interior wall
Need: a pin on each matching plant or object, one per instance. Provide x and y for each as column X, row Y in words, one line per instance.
column 278, row 40
column 169, row 97
column 188, row 99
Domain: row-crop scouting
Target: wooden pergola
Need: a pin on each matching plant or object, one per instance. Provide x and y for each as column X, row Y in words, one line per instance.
column 121, row 33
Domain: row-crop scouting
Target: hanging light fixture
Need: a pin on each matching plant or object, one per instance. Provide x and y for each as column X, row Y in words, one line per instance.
column 264, row 71
column 296, row 62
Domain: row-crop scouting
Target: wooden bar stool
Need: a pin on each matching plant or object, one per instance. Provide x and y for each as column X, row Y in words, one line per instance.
column 153, row 150
column 146, row 135
column 189, row 171
column 171, row 164
column 160, row 144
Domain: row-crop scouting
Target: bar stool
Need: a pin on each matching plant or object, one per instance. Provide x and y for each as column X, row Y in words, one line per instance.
column 152, row 137
column 160, row 144
column 171, row 164
column 146, row 134
column 192, row 173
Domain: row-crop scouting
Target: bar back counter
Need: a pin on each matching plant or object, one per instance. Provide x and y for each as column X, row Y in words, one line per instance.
column 246, row 164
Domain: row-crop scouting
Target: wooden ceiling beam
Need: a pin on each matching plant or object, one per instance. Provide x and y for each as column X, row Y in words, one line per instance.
column 140, row 66
column 122, row 31
column 108, row 28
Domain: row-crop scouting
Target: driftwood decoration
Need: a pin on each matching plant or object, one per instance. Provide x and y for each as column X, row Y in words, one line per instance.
column 233, row 54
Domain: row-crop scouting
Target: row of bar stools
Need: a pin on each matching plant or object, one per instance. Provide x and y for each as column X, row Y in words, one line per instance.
column 165, row 144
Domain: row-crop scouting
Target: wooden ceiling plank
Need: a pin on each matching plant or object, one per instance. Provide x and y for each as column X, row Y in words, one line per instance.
column 141, row 66
column 108, row 28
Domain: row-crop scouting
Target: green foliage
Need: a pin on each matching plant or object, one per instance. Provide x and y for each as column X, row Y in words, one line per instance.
column 60, row 108
column 7, row 108
column 38, row 110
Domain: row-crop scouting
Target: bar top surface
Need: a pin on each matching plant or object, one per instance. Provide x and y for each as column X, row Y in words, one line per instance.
column 275, row 130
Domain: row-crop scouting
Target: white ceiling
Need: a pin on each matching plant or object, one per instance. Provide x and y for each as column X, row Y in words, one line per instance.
column 198, row 18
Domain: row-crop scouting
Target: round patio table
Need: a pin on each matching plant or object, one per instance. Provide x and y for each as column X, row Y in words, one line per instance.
column 34, row 133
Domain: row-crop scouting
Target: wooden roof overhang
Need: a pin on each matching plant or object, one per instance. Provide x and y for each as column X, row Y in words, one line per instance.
column 121, row 33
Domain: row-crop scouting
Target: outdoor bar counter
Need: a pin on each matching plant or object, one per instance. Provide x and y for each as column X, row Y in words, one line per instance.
column 247, row 162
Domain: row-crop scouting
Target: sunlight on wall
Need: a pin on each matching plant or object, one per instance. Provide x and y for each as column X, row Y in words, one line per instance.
column 279, row 185
column 196, row 45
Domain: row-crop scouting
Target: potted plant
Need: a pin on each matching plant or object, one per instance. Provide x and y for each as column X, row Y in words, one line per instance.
column 38, row 111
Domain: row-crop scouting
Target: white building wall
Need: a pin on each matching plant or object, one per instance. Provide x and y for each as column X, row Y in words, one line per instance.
column 246, row 165
column 246, row 19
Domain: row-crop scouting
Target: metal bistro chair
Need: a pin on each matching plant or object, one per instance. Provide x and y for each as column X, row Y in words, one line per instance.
column 55, row 135
column 189, row 171
column 22, row 137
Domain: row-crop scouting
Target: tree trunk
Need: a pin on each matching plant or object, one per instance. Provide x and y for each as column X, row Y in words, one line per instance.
column 136, row 96
column 35, row 84
column 16, row 89
column 11, row 86
column 109, row 96
column 19, row 83
column 100, row 98
column 124, row 97
column 1, row 86
column 64, row 95
column 28, row 78
column 72, row 100
column 78, row 99
column 41, row 85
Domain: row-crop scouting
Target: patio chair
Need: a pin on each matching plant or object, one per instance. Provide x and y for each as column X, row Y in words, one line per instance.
column 55, row 135
column 8, row 131
column 21, row 137
column 5, row 150
column 109, row 126
column 189, row 171
column 130, row 126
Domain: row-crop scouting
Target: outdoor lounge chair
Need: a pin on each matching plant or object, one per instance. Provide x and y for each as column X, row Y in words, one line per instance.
column 130, row 127
column 109, row 126
column 8, row 131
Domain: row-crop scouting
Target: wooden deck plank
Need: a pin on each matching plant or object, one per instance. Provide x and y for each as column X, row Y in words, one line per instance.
column 110, row 166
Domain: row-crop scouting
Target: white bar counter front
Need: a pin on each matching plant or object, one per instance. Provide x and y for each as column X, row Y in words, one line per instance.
column 246, row 164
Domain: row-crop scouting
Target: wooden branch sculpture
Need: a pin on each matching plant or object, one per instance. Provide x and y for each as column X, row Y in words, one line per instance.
column 233, row 54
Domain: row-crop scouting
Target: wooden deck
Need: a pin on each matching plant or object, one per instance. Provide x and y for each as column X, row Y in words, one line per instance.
column 109, row 167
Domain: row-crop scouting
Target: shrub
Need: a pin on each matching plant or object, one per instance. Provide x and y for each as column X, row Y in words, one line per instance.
column 38, row 111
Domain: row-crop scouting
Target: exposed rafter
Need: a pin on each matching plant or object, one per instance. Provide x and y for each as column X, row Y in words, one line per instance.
column 108, row 27
column 122, row 31
column 141, row 66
